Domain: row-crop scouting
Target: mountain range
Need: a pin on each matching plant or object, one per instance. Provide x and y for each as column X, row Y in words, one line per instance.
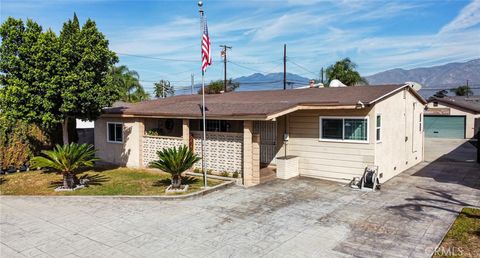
column 431, row 78
column 434, row 78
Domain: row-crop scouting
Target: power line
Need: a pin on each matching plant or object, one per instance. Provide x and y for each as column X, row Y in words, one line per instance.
column 190, row 60
column 158, row 58
column 302, row 67
column 246, row 67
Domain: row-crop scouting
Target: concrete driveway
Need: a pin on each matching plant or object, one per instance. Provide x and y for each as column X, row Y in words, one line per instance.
column 295, row 218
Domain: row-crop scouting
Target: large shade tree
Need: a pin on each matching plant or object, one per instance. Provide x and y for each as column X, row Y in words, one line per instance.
column 345, row 71
column 48, row 79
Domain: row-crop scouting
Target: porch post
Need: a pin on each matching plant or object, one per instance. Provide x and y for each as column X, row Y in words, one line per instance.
column 141, row 132
column 251, row 161
column 247, row 152
column 186, row 132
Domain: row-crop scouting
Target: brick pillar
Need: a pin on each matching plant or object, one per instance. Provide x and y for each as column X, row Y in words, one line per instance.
column 186, row 131
column 247, row 153
column 256, row 159
column 251, row 155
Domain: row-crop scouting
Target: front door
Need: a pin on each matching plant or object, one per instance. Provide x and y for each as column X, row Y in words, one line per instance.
column 268, row 140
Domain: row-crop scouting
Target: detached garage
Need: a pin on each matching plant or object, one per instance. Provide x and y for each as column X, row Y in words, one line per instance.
column 452, row 117
column 445, row 127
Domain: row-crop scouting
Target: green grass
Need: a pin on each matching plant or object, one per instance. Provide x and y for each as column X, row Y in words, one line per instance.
column 119, row 181
column 463, row 238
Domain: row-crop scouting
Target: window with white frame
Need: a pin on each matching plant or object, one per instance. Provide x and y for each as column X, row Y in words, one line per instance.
column 379, row 128
column 344, row 129
column 114, row 132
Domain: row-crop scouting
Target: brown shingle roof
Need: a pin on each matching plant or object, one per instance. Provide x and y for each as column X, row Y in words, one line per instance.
column 256, row 103
column 471, row 103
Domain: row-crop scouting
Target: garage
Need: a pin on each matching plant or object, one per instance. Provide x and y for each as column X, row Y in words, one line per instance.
column 452, row 127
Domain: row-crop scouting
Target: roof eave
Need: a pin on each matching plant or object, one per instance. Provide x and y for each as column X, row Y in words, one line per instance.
column 414, row 93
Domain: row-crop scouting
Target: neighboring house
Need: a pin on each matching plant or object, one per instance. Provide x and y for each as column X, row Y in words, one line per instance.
column 335, row 132
column 85, row 130
column 452, row 117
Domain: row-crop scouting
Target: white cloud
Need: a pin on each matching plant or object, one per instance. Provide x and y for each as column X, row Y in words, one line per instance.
column 467, row 18
column 317, row 35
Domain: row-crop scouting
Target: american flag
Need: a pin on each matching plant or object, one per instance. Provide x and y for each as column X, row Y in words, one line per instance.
column 206, row 54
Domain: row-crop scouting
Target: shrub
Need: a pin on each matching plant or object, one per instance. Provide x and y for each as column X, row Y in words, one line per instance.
column 209, row 171
column 19, row 142
column 197, row 170
column 235, row 174
column 153, row 132
column 225, row 174
column 175, row 161
column 67, row 159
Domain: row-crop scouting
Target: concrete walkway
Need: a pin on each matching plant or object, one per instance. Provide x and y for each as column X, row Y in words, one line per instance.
column 294, row 218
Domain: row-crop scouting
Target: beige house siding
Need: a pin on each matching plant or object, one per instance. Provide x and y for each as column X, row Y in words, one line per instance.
column 126, row 153
column 338, row 161
column 455, row 111
column 401, row 144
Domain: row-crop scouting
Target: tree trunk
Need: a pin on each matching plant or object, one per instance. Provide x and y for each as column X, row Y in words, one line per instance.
column 176, row 181
column 65, row 130
column 67, row 180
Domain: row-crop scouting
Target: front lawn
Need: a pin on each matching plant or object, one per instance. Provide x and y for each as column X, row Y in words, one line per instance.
column 119, row 181
column 463, row 238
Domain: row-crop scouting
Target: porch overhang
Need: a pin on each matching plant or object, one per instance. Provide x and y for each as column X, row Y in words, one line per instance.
column 311, row 107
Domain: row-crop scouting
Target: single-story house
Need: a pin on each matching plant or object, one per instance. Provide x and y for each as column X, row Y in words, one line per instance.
column 335, row 132
column 452, row 117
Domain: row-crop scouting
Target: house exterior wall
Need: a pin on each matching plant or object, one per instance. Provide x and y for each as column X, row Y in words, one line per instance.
column 341, row 161
column 401, row 143
column 337, row 161
column 152, row 144
column 126, row 153
column 470, row 129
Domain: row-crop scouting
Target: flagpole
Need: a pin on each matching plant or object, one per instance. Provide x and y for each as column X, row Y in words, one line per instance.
column 204, row 136
column 204, row 132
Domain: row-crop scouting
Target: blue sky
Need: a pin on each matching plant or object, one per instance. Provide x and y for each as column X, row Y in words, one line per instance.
column 377, row 35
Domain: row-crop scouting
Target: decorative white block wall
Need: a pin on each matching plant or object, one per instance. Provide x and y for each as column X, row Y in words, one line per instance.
column 223, row 151
column 152, row 144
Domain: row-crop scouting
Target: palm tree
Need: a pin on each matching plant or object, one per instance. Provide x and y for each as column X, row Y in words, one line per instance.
column 163, row 89
column 66, row 159
column 129, row 82
column 345, row 71
column 175, row 161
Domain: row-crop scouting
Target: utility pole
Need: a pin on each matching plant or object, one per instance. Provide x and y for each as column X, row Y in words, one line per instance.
column 224, row 54
column 284, row 66
column 193, row 84
column 321, row 75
